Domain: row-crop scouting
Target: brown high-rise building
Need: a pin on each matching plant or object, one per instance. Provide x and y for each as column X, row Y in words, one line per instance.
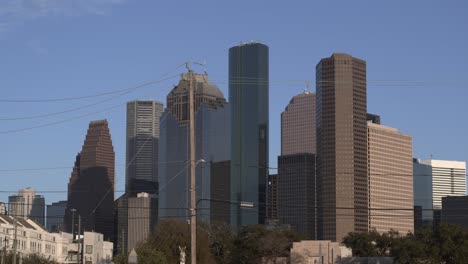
column 91, row 186
column 342, row 187
column 390, row 180
column 298, row 125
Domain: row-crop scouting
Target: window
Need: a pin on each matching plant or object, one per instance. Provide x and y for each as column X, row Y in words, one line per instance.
column 89, row 249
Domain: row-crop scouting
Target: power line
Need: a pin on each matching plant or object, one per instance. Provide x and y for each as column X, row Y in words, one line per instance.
column 77, row 97
column 127, row 91
column 62, row 121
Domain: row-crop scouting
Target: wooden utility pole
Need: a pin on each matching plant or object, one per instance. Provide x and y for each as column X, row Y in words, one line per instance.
column 14, row 241
column 4, row 250
column 193, row 196
column 78, row 260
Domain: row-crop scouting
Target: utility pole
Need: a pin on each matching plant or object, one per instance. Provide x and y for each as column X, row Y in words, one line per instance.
column 14, row 241
column 4, row 250
column 123, row 242
column 193, row 213
column 78, row 260
column 73, row 210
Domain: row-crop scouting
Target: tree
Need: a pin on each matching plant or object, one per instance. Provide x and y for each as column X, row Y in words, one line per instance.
column 445, row 244
column 170, row 234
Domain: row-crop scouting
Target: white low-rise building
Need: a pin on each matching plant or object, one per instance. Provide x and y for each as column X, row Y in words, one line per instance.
column 32, row 238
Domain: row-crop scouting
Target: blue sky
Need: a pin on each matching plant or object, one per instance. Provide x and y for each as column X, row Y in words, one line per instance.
column 416, row 56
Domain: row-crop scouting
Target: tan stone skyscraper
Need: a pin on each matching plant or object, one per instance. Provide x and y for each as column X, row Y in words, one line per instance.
column 390, row 179
column 342, row 187
column 298, row 125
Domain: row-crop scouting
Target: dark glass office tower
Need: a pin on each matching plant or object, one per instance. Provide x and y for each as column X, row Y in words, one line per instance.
column 212, row 134
column 248, row 96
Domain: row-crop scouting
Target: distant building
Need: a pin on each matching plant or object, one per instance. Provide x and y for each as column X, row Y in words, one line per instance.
column 434, row 179
column 212, row 145
column 298, row 125
column 272, row 210
column 296, row 193
column 455, row 210
column 391, row 205
column 315, row 251
column 142, row 218
column 142, row 147
column 249, row 100
column 27, row 204
column 2, row 208
column 135, row 219
column 342, row 182
column 32, row 238
column 91, row 185
column 121, row 224
column 55, row 214
column 220, row 190
column 418, row 220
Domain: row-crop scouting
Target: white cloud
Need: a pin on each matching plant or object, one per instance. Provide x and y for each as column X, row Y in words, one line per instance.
column 19, row 11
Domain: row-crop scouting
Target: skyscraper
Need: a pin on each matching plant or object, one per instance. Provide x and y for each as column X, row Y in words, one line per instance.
column 55, row 214
column 248, row 97
column 434, row 179
column 91, row 185
column 142, row 218
column 142, row 146
column 272, row 201
column 296, row 193
column 212, row 135
column 390, row 180
column 298, row 125
column 220, row 191
column 27, row 204
column 296, row 166
column 342, row 186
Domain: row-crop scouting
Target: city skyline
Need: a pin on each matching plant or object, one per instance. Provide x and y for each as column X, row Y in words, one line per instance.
column 414, row 79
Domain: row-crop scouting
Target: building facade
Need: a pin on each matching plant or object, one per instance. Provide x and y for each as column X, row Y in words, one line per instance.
column 212, row 135
column 91, row 185
column 296, row 193
column 342, row 184
column 3, row 209
column 142, row 218
column 249, row 97
column 55, row 215
column 455, row 210
column 298, row 125
column 142, row 146
column 32, row 238
column 434, row 179
column 391, row 205
column 220, row 189
column 27, row 204
column 272, row 201
column 313, row 251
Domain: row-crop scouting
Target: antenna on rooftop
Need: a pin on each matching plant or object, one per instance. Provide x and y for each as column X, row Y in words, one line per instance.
column 306, row 90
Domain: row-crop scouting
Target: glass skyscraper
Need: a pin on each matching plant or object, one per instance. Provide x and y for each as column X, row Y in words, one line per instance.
column 212, row 135
column 248, row 97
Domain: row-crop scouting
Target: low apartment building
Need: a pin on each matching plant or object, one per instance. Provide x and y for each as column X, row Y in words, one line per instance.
column 32, row 238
